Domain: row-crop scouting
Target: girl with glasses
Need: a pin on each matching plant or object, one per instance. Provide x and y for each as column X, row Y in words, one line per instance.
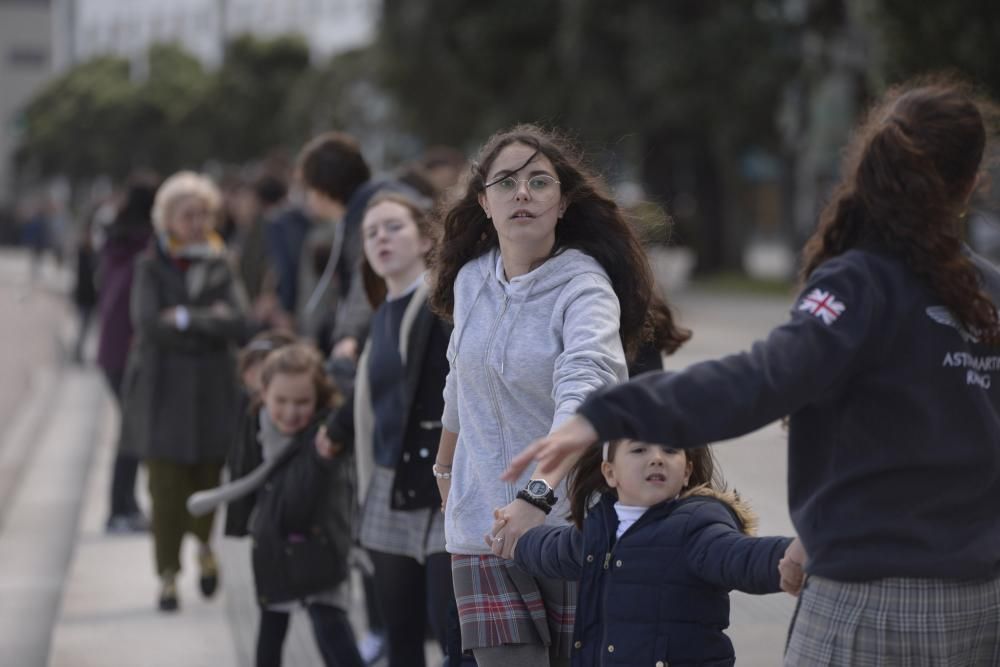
column 550, row 294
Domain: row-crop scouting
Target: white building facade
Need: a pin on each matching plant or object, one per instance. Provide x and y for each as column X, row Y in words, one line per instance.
column 129, row 27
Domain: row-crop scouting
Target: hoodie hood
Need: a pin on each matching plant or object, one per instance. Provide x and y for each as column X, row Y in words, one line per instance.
column 554, row 274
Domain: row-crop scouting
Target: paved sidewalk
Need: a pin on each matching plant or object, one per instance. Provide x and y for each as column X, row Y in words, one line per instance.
column 108, row 615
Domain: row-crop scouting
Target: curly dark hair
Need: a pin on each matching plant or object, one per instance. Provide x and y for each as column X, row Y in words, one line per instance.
column 908, row 173
column 332, row 163
column 592, row 223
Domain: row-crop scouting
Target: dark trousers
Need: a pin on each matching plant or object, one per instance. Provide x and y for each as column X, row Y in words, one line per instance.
column 331, row 628
column 126, row 467
column 410, row 595
column 170, row 484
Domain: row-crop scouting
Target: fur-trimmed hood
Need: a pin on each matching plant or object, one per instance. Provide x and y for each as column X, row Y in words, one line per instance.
column 744, row 513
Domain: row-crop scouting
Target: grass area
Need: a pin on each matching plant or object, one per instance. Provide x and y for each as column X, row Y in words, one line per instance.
column 733, row 281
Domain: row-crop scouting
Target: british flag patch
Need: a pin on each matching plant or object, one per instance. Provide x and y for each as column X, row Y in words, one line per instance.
column 823, row 305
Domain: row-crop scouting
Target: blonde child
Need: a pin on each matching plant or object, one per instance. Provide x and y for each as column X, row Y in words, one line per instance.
column 656, row 556
column 301, row 523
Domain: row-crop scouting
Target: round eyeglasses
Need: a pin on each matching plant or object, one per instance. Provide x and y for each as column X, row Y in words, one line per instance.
column 541, row 186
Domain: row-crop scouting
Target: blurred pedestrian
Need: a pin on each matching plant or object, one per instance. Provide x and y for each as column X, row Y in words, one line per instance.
column 84, row 289
column 285, row 226
column 303, row 516
column 125, row 238
column 885, row 369
column 180, row 389
column 338, row 185
column 550, row 291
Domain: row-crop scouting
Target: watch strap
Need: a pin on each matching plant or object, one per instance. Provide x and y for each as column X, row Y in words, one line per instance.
column 532, row 500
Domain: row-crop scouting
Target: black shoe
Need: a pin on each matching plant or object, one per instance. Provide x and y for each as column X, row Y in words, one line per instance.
column 209, row 579
column 168, row 592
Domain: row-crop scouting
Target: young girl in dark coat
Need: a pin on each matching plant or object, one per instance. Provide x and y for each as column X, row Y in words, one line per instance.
column 656, row 556
column 301, row 525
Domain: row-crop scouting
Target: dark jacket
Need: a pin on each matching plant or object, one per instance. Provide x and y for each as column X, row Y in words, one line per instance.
column 180, row 390
column 243, row 457
column 661, row 592
column 306, row 497
column 426, row 367
column 894, row 434
column 115, row 274
column 85, row 287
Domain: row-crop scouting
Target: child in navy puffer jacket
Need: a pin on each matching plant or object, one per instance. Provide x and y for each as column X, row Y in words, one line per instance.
column 656, row 556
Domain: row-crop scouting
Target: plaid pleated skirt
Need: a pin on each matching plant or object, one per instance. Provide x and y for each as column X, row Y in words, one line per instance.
column 896, row 622
column 499, row 603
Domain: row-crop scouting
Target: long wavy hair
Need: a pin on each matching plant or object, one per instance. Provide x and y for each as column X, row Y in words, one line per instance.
column 908, row 173
column 586, row 482
column 592, row 223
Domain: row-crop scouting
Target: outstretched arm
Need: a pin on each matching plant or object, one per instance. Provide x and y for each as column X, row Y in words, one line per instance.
column 719, row 553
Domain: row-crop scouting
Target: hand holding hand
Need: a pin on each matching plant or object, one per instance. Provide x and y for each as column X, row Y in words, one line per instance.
column 569, row 440
column 509, row 524
column 792, row 568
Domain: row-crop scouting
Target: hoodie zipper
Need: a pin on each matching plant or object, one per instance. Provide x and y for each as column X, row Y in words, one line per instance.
column 492, row 388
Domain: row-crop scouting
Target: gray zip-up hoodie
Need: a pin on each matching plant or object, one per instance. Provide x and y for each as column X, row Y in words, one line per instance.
column 524, row 354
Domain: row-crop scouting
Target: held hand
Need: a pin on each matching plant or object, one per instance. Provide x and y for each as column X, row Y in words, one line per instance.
column 569, row 440
column 792, row 568
column 510, row 523
column 325, row 447
column 346, row 347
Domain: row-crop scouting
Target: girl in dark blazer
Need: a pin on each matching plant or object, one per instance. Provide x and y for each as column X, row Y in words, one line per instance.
column 397, row 424
column 656, row 556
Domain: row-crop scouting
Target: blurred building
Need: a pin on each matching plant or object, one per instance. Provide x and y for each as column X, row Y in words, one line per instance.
column 25, row 64
column 130, row 27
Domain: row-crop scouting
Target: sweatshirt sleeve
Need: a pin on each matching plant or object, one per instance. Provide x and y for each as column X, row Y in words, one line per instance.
column 592, row 355
column 554, row 552
column 719, row 553
column 832, row 330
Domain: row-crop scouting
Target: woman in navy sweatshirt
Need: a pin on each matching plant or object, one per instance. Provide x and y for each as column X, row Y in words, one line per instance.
column 886, row 370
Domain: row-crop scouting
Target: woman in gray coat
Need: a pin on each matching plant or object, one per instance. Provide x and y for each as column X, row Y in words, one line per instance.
column 181, row 393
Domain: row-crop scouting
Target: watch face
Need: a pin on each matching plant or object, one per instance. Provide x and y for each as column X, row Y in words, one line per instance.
column 538, row 488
